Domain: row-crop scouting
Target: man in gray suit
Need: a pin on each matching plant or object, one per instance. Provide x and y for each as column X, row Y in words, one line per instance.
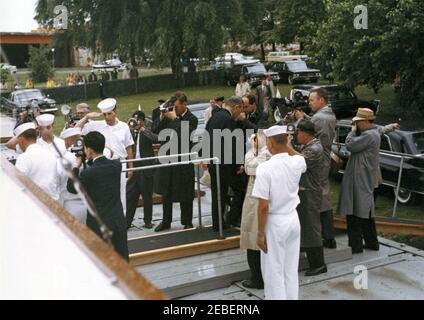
column 264, row 94
column 325, row 121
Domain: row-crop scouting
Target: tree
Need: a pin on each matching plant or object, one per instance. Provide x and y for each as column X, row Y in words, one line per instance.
column 39, row 63
column 390, row 47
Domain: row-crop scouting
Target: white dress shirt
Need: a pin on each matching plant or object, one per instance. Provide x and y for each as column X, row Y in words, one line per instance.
column 118, row 137
column 39, row 165
column 242, row 89
column 50, row 147
column 277, row 181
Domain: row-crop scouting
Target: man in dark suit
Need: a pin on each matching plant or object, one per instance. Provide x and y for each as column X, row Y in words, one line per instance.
column 252, row 112
column 176, row 184
column 102, row 180
column 231, row 174
column 142, row 183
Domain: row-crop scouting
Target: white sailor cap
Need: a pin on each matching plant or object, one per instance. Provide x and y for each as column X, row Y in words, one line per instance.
column 45, row 120
column 70, row 133
column 24, row 127
column 275, row 131
column 107, row 105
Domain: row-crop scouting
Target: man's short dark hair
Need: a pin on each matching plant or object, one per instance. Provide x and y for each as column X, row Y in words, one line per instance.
column 180, row 96
column 307, row 127
column 30, row 135
column 235, row 101
column 140, row 115
column 321, row 93
column 251, row 98
column 96, row 141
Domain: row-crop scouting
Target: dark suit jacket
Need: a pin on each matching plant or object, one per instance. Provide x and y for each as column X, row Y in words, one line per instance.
column 103, row 181
column 156, row 114
column 146, row 141
column 177, row 181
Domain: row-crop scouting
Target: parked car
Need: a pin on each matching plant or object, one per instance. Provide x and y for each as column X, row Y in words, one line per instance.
column 407, row 142
column 282, row 56
column 19, row 100
column 295, row 72
column 253, row 72
column 199, row 109
column 230, row 59
column 9, row 68
column 343, row 100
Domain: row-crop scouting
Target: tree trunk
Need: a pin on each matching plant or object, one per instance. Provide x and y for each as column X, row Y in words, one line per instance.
column 263, row 51
column 132, row 54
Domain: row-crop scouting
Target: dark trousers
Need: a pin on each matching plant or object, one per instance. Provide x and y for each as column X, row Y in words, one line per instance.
column 315, row 257
column 254, row 261
column 327, row 224
column 140, row 185
column 238, row 184
column 186, row 211
column 120, row 243
column 361, row 229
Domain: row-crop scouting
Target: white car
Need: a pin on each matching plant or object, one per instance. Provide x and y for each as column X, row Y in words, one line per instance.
column 283, row 56
column 11, row 69
column 226, row 61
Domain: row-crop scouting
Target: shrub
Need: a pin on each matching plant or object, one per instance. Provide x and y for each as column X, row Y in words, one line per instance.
column 40, row 65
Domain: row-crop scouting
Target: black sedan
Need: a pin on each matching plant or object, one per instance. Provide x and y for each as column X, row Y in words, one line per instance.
column 342, row 100
column 399, row 141
column 253, row 72
column 295, row 72
column 19, row 100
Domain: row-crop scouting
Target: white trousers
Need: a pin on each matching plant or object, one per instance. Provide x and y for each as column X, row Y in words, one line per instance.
column 280, row 265
column 77, row 208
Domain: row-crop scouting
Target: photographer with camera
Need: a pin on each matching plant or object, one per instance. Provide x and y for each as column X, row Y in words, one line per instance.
column 142, row 183
column 102, row 182
column 117, row 134
column 176, row 184
column 74, row 148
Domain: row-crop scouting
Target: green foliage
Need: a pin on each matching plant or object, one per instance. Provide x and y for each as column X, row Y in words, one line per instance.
column 4, row 75
column 39, row 63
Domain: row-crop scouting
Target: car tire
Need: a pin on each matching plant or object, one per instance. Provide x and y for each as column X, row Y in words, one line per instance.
column 290, row 80
column 405, row 196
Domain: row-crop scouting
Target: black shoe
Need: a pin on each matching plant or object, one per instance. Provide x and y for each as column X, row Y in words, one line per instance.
column 162, row 227
column 357, row 251
column 316, row 271
column 188, row 226
column 148, row 226
column 330, row 244
column 375, row 247
column 252, row 285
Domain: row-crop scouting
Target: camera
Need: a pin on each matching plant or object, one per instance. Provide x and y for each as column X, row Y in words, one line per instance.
column 78, row 148
column 70, row 120
column 168, row 106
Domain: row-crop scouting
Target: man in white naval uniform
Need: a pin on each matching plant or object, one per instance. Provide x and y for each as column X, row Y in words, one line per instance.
column 46, row 130
column 277, row 187
column 36, row 162
column 71, row 202
column 118, row 137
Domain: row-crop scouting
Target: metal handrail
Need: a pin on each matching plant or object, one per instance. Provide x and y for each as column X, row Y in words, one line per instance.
column 192, row 154
column 198, row 162
column 402, row 157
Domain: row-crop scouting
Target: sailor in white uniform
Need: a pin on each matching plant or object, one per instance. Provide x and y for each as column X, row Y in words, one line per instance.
column 71, row 202
column 36, row 162
column 276, row 187
column 117, row 134
column 46, row 129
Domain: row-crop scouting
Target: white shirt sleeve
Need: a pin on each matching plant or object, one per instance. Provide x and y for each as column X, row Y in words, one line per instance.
column 23, row 164
column 89, row 127
column 300, row 163
column 262, row 187
column 129, row 141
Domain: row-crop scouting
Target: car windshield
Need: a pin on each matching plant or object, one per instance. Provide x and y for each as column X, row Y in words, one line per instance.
column 257, row 68
column 298, row 65
column 27, row 96
column 418, row 139
column 339, row 93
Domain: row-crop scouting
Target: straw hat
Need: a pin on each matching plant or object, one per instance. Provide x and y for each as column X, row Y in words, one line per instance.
column 364, row 114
